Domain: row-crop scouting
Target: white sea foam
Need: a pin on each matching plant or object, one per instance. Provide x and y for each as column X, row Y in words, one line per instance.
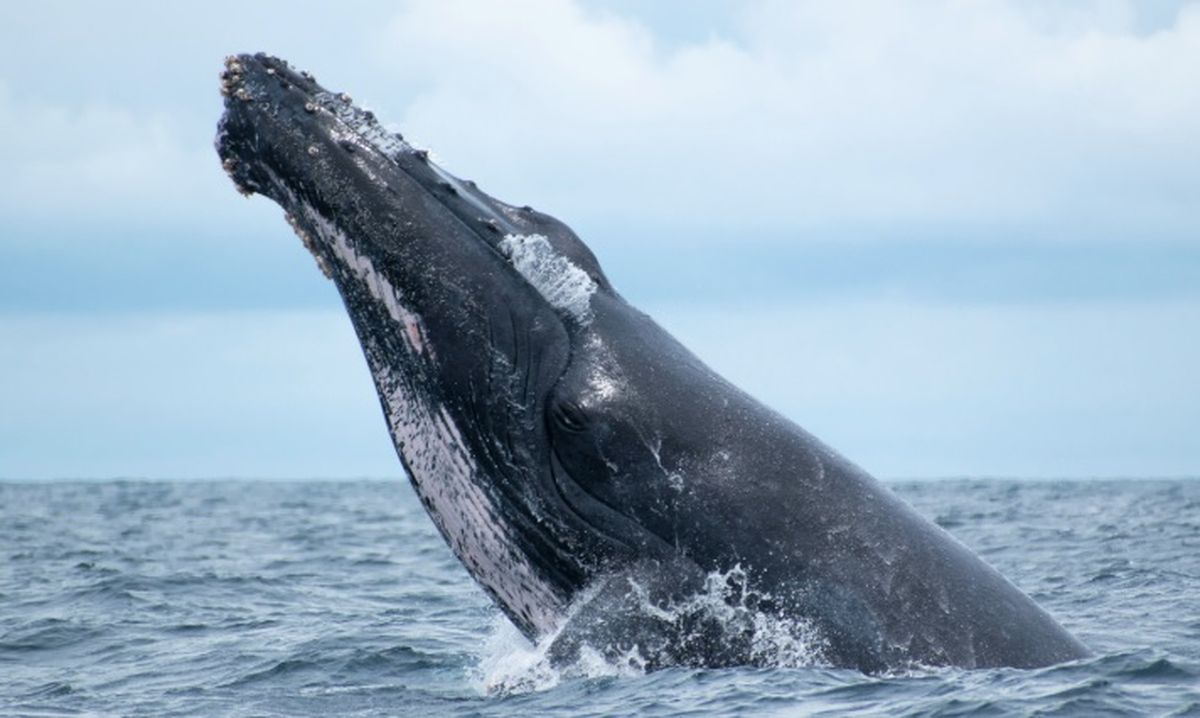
column 558, row 279
column 511, row 664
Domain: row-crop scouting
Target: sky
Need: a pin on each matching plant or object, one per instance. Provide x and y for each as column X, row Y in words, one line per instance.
column 948, row 238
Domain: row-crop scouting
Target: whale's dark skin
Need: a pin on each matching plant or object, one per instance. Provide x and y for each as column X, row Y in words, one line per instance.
column 574, row 455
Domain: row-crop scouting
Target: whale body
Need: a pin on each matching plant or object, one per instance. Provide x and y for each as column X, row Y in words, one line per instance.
column 593, row 475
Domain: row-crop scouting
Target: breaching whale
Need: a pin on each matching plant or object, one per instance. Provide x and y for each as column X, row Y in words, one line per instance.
column 593, row 475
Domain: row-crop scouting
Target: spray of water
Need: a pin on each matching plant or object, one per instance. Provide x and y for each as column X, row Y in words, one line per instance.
column 725, row 623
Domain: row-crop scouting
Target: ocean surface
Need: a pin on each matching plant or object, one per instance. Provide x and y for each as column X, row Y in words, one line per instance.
column 245, row 598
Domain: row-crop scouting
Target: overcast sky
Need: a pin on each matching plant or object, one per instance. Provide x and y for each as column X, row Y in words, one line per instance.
column 949, row 238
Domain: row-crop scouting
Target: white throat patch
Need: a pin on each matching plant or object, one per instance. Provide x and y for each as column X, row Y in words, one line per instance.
column 443, row 469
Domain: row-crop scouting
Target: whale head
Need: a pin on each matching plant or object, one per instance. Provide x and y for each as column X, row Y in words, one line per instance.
column 467, row 309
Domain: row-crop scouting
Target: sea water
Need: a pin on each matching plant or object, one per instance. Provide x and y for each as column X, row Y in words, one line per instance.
column 213, row 598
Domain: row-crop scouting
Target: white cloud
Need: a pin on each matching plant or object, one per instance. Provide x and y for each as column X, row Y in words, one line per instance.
column 100, row 159
column 1042, row 119
column 1023, row 119
column 826, row 118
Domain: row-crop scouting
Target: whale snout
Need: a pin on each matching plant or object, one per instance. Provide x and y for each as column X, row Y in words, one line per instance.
column 265, row 100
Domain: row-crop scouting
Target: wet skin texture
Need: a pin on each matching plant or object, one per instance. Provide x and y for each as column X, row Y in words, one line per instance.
column 575, row 456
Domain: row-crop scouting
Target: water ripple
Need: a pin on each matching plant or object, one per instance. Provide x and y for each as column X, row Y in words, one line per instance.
column 312, row 599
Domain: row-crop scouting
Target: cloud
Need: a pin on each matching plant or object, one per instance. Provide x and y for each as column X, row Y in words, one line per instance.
column 796, row 119
column 101, row 161
column 1053, row 120
column 789, row 123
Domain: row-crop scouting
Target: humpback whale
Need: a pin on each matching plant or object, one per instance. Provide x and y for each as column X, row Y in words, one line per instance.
column 594, row 476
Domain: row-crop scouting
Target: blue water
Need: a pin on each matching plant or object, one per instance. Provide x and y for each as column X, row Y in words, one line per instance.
column 314, row 598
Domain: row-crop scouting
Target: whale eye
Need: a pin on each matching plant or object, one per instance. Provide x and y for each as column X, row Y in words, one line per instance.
column 568, row 416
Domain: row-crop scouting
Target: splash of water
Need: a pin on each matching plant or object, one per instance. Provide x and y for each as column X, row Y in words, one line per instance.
column 726, row 612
